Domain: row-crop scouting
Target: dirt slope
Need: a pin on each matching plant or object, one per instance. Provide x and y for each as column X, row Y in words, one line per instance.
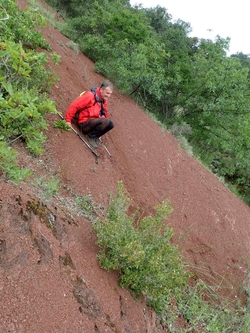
column 50, row 278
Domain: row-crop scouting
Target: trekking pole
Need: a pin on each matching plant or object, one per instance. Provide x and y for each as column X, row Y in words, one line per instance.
column 105, row 147
column 84, row 141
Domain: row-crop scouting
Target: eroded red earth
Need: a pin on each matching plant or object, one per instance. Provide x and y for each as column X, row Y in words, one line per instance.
column 50, row 277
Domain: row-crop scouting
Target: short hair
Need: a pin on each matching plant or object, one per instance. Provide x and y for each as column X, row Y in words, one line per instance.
column 106, row 84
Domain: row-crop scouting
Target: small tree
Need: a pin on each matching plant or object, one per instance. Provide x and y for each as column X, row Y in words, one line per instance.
column 141, row 251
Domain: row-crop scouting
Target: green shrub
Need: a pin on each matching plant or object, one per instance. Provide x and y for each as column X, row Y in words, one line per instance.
column 22, row 115
column 21, row 26
column 61, row 124
column 23, row 106
column 149, row 265
column 24, row 80
column 8, row 165
column 141, row 251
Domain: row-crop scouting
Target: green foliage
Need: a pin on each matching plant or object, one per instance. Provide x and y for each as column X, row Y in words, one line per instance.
column 140, row 70
column 8, row 164
column 56, row 58
column 204, row 311
column 244, row 60
column 47, row 187
column 159, row 19
column 149, row 264
column 218, row 112
column 122, row 27
column 88, row 207
column 24, row 82
column 20, row 27
column 48, row 13
column 61, row 124
column 22, row 114
column 24, row 69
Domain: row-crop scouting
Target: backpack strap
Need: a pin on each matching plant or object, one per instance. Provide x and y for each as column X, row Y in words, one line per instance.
column 97, row 100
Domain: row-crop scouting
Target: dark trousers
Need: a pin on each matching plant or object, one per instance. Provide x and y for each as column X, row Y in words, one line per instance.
column 96, row 127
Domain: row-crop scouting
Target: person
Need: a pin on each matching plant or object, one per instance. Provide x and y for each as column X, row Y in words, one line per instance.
column 90, row 111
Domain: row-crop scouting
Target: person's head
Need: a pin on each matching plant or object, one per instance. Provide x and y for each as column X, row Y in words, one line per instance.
column 106, row 89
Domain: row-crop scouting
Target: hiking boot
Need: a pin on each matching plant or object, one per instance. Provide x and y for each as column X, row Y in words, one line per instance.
column 95, row 142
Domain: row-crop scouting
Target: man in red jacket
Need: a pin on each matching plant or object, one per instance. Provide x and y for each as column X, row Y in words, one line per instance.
column 91, row 111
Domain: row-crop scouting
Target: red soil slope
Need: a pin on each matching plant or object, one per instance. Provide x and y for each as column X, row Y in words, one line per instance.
column 41, row 289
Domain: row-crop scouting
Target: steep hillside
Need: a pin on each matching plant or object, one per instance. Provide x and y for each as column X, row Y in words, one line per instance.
column 50, row 277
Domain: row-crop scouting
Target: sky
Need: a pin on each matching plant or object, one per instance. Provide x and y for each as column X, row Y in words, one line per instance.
column 210, row 18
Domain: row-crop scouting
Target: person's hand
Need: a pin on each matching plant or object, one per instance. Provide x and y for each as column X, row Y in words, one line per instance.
column 68, row 123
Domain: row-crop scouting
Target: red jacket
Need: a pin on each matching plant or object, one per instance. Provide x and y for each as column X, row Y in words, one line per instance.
column 87, row 106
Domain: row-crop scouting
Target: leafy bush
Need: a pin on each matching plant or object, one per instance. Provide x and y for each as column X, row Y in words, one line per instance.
column 149, row 265
column 21, row 24
column 24, row 82
column 141, row 251
column 22, row 115
column 7, row 164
